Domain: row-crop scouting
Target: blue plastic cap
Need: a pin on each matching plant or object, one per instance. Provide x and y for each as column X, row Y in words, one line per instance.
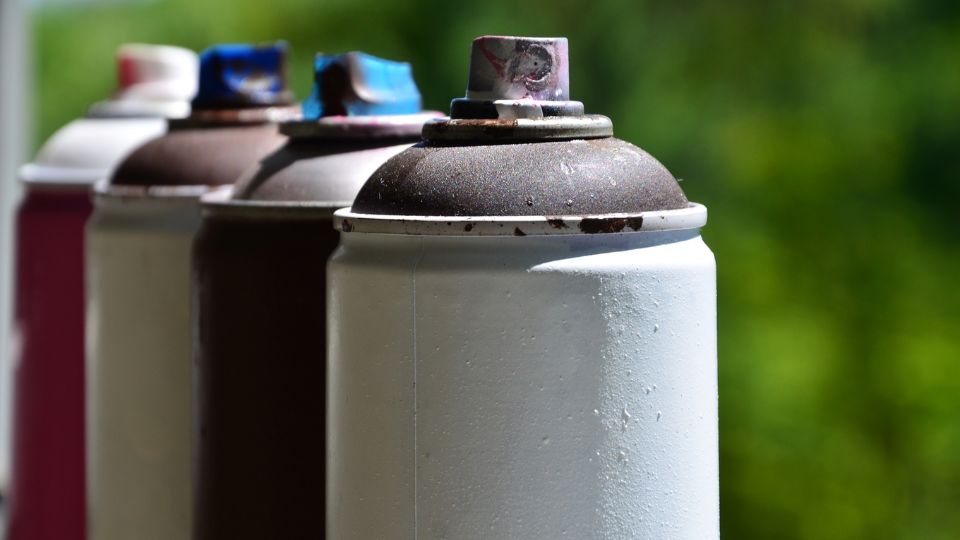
column 357, row 84
column 243, row 76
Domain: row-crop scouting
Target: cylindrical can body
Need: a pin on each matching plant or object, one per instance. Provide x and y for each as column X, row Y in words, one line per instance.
column 139, row 332
column 523, row 387
column 260, row 375
column 48, row 453
column 259, row 285
column 139, row 369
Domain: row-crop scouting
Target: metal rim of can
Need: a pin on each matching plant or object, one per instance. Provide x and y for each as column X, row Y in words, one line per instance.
column 103, row 189
column 34, row 174
column 692, row 217
column 359, row 127
column 218, row 203
column 252, row 115
column 589, row 126
column 139, row 109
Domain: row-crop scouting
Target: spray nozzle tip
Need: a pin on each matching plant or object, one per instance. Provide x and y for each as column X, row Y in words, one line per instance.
column 510, row 68
column 243, row 76
column 155, row 73
column 358, row 84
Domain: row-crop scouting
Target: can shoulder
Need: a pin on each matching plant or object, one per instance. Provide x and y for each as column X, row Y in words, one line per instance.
column 210, row 156
column 572, row 177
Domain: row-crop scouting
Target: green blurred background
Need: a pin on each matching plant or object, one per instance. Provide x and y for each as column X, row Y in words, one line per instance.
column 825, row 138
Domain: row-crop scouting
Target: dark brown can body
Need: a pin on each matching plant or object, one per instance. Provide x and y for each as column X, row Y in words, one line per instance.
column 259, row 279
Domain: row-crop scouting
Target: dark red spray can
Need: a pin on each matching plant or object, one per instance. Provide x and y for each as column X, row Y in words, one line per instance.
column 48, row 479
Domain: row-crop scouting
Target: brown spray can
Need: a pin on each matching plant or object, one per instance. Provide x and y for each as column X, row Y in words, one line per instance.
column 259, row 285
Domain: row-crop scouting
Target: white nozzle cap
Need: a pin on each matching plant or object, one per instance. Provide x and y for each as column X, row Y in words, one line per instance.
column 153, row 80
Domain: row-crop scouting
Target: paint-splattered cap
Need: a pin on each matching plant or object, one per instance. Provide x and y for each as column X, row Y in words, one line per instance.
column 240, row 76
column 518, row 89
column 358, row 84
column 359, row 96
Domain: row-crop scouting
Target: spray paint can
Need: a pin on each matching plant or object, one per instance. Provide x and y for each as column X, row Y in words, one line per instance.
column 260, row 283
column 522, row 328
column 138, row 302
column 47, row 492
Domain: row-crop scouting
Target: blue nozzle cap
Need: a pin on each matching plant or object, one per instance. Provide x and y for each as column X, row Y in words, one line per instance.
column 243, row 76
column 357, row 84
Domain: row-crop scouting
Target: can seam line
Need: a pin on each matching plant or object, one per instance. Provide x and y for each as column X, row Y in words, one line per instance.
column 416, row 450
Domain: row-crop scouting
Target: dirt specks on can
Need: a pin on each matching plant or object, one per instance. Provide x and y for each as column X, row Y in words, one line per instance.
column 557, row 223
column 610, row 225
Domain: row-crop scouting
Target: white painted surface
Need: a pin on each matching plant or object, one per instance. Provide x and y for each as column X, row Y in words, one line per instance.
column 523, row 387
column 139, row 368
column 15, row 137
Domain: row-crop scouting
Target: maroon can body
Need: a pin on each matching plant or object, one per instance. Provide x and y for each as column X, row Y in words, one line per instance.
column 259, row 289
column 48, row 453
column 47, row 499
column 261, row 445
column 259, row 286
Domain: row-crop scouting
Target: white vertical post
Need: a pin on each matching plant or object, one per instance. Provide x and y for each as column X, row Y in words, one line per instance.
column 15, row 137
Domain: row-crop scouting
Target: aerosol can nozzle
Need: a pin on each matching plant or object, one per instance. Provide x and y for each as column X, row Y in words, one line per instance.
column 358, row 84
column 238, row 76
column 517, row 77
column 156, row 72
column 152, row 80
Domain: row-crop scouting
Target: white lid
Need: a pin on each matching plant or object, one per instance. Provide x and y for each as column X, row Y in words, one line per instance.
column 152, row 80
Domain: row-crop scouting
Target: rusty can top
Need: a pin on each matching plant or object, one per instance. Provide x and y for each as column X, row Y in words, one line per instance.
column 518, row 156
column 361, row 111
column 242, row 94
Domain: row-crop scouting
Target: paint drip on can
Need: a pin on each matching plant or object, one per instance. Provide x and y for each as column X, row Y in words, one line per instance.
column 522, row 328
column 47, row 494
column 138, row 297
column 259, row 284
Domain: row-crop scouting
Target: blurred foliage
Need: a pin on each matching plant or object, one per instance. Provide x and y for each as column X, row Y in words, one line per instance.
column 823, row 135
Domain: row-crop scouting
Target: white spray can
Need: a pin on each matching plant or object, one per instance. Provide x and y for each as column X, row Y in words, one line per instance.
column 139, row 338
column 522, row 328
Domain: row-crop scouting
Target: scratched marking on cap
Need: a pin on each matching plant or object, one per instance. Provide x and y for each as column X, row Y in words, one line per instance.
column 519, row 68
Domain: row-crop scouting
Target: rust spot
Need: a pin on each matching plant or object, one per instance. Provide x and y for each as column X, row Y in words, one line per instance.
column 602, row 225
column 486, row 122
column 635, row 223
column 557, row 223
column 346, row 226
column 518, row 232
column 468, row 227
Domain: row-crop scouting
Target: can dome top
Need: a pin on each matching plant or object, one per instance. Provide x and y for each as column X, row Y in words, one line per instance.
column 516, row 146
column 154, row 82
column 242, row 93
column 362, row 110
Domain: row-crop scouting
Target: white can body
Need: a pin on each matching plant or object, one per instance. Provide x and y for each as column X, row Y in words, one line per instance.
column 139, row 367
column 523, row 387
